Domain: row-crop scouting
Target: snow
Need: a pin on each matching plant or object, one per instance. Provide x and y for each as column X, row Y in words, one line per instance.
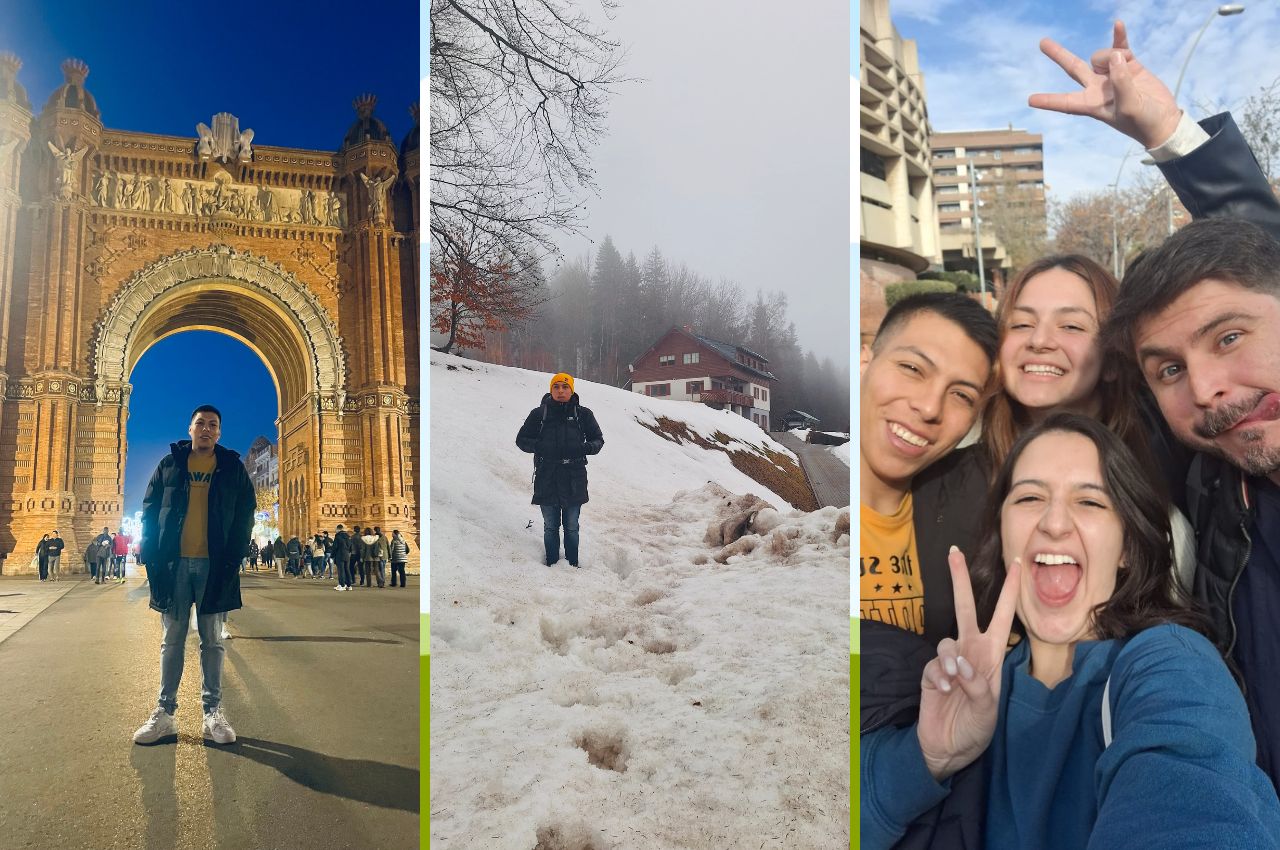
column 653, row 698
column 841, row 451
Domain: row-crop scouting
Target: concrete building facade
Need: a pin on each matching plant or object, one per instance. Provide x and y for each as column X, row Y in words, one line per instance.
column 898, row 230
column 1009, row 166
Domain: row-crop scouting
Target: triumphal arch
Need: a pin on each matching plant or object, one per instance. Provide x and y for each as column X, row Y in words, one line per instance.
column 113, row 240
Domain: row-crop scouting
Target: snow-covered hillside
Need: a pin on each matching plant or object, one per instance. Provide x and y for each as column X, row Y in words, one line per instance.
column 671, row 693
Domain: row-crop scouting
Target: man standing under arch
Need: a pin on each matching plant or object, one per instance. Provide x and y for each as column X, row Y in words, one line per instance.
column 197, row 518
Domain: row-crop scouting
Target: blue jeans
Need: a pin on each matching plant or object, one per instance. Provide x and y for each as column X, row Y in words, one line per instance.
column 189, row 581
column 552, row 516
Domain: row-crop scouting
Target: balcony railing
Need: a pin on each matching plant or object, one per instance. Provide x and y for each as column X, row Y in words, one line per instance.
column 718, row 396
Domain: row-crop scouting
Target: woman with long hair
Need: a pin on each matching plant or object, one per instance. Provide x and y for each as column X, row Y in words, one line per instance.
column 1114, row 722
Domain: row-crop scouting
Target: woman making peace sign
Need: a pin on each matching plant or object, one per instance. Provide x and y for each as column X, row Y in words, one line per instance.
column 1077, row 547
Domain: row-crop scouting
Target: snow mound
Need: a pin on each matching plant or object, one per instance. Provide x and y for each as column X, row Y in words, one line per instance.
column 670, row 693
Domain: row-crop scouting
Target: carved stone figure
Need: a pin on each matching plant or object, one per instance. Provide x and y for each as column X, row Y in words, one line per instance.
column 378, row 196
column 100, row 190
column 267, row 199
column 113, row 190
column 68, row 162
column 135, row 193
column 306, row 206
column 189, row 199
column 153, row 194
column 335, row 215
column 169, row 199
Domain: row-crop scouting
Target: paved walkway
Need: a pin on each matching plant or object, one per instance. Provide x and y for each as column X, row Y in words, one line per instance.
column 23, row 597
column 828, row 475
column 321, row 687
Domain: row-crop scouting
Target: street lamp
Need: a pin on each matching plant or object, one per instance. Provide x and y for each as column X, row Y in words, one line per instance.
column 1115, row 212
column 1221, row 11
column 977, row 231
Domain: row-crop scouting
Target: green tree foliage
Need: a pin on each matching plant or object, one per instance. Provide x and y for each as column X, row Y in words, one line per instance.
column 895, row 292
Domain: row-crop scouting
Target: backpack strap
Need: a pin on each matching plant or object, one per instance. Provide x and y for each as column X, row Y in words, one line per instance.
column 1106, row 714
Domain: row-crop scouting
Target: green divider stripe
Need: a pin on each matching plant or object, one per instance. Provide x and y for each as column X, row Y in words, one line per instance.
column 855, row 647
column 424, row 735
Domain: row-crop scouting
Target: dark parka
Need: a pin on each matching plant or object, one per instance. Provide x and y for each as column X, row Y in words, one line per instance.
column 164, row 508
column 560, row 435
column 341, row 546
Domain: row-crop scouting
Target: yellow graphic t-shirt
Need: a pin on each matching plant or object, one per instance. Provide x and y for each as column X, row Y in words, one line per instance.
column 195, row 528
column 892, row 590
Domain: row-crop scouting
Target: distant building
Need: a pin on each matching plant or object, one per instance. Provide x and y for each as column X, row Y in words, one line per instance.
column 1010, row 170
column 898, row 235
column 800, row 419
column 686, row 367
column 263, row 464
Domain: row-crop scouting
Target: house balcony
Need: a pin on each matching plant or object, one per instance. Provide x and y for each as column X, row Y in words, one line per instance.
column 718, row 396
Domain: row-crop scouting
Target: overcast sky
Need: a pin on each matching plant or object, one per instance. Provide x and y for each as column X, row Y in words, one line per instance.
column 992, row 48
column 732, row 152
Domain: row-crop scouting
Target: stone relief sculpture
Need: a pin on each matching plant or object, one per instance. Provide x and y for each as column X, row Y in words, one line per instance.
column 100, row 189
column 378, row 196
column 67, row 162
column 267, row 199
column 157, row 193
column 336, row 215
column 307, row 207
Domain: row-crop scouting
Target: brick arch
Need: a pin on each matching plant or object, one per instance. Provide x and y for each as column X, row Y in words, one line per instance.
column 145, row 309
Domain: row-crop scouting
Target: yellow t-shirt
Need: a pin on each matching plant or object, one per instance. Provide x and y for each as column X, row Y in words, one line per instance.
column 892, row 589
column 195, row 528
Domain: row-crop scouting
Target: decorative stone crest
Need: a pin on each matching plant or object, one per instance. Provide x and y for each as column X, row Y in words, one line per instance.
column 224, row 142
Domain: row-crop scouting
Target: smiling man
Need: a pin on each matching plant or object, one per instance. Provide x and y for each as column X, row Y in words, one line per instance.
column 1201, row 315
column 924, row 378
column 197, row 517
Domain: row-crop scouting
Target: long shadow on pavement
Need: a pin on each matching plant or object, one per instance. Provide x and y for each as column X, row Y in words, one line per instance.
column 387, row 785
column 319, row 639
column 156, row 767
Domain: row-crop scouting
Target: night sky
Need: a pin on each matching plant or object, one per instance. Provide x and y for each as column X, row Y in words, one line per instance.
column 289, row 71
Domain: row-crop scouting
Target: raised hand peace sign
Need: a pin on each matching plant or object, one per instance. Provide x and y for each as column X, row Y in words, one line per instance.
column 1118, row 91
column 960, row 692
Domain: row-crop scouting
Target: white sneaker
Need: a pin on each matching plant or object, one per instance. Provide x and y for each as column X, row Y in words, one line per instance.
column 226, row 635
column 159, row 726
column 217, row 729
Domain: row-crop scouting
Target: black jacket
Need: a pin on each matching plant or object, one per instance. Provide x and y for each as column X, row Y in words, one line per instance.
column 341, row 546
column 892, row 665
column 560, row 435
column 53, row 547
column 164, row 508
column 1221, row 178
column 947, row 502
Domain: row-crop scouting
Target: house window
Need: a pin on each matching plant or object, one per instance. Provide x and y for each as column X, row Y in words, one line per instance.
column 755, row 392
column 691, row 358
column 666, row 360
column 764, row 395
column 693, row 387
column 657, row 389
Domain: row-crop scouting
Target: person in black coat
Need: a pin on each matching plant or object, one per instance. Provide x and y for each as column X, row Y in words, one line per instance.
column 342, row 557
column 560, row 433
column 42, row 555
column 197, row 518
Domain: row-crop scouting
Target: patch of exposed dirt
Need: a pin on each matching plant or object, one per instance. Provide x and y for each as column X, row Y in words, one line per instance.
column 777, row 471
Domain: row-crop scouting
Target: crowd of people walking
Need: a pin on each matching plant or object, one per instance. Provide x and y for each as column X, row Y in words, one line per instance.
column 360, row 555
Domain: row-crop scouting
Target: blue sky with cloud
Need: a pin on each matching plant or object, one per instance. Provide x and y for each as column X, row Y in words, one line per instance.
column 981, row 60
